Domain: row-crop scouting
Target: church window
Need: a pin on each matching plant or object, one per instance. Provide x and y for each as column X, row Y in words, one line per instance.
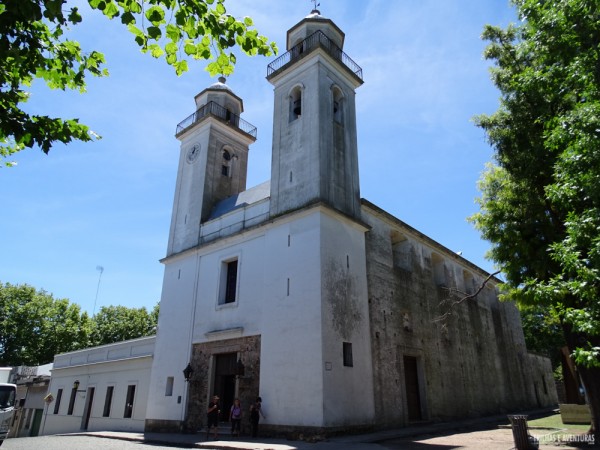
column 129, row 401
column 226, row 163
column 347, row 353
column 295, row 103
column 229, row 280
column 108, row 401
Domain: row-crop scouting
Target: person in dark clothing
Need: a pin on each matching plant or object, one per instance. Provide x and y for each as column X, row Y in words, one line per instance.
column 255, row 413
column 213, row 417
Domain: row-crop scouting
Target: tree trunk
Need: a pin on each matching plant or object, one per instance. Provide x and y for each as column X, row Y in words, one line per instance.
column 590, row 376
column 591, row 382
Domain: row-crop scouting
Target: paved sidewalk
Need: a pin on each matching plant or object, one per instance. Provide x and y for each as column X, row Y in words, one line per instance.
column 465, row 434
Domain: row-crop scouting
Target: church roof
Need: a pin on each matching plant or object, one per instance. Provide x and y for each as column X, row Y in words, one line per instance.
column 220, row 85
column 315, row 14
column 245, row 198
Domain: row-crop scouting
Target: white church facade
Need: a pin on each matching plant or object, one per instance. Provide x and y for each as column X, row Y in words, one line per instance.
column 297, row 290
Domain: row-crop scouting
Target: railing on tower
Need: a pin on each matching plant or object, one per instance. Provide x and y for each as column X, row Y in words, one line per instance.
column 316, row 40
column 218, row 111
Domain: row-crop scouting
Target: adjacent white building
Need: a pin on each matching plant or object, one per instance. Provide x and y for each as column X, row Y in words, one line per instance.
column 101, row 388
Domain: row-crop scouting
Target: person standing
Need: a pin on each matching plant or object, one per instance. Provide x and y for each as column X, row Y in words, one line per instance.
column 255, row 413
column 235, row 417
column 213, row 417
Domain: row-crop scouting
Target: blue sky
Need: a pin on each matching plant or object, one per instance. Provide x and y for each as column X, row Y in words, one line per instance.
column 108, row 203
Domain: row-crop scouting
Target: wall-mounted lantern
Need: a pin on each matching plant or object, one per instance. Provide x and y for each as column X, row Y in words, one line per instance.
column 240, row 369
column 188, row 372
column 76, row 384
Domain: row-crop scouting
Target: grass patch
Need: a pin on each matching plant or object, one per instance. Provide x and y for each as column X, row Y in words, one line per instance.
column 555, row 421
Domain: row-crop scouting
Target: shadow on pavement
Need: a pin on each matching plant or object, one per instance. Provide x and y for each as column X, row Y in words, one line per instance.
column 408, row 445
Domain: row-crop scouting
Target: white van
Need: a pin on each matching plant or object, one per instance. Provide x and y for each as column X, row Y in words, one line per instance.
column 8, row 394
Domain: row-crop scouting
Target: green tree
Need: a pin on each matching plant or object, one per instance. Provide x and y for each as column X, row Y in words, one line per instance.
column 34, row 326
column 540, row 202
column 119, row 323
column 543, row 332
column 33, row 46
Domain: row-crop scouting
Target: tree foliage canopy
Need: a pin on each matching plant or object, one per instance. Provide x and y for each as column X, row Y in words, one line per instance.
column 119, row 323
column 34, row 326
column 540, row 202
column 33, row 45
column 543, row 332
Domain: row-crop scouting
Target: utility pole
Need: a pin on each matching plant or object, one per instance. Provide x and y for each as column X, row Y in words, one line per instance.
column 101, row 269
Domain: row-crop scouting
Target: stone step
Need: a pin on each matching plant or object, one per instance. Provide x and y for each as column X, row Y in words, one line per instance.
column 224, row 429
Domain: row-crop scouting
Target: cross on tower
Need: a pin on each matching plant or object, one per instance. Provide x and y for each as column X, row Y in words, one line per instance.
column 316, row 5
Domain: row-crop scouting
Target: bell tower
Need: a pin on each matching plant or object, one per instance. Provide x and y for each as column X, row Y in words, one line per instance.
column 315, row 157
column 213, row 161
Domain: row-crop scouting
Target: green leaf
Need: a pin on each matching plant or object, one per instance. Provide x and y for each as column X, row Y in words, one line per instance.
column 190, row 49
column 135, row 30
column 127, row 18
column 171, row 59
column 156, row 15
column 156, row 50
column 74, row 16
column 213, row 69
column 111, row 10
column 173, row 32
column 154, row 33
column 181, row 67
column 171, row 48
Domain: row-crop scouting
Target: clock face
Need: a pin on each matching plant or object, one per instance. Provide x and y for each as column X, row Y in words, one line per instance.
column 193, row 153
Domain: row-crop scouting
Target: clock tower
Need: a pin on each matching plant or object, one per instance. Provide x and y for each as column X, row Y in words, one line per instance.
column 213, row 162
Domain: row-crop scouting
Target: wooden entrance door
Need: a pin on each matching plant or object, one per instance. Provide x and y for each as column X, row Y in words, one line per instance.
column 411, row 382
column 225, row 365
column 87, row 411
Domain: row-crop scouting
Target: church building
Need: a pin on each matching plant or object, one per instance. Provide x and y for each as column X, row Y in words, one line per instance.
column 340, row 316
column 336, row 313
